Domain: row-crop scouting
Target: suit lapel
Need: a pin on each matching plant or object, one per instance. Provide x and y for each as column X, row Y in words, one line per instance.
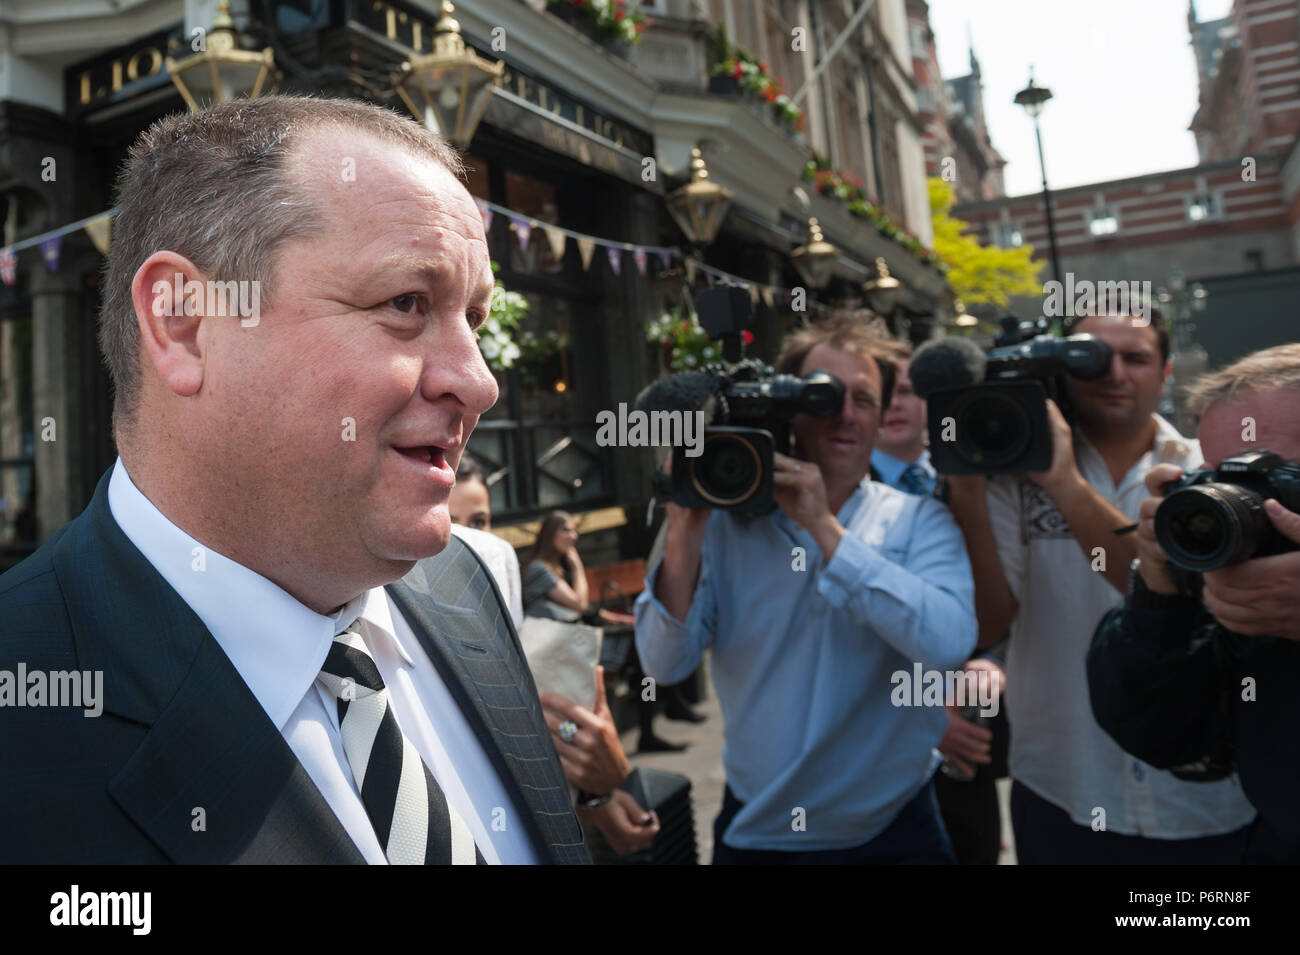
column 213, row 780
column 457, row 618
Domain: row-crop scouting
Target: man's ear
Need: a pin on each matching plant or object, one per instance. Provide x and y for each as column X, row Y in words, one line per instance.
column 169, row 299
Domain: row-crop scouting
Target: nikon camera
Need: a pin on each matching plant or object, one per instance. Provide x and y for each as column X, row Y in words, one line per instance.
column 1212, row 518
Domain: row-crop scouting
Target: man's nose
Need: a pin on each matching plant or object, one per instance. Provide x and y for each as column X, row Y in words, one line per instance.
column 454, row 367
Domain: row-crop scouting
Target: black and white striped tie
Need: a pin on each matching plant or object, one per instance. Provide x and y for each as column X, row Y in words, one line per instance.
column 412, row 818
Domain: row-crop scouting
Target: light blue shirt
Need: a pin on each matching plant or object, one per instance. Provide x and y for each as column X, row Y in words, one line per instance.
column 891, row 468
column 802, row 662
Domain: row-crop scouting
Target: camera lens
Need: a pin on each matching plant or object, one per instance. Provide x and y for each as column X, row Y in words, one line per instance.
column 1210, row 525
column 993, row 431
column 728, row 471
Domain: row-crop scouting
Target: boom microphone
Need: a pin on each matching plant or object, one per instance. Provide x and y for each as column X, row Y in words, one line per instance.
column 951, row 362
column 687, row 391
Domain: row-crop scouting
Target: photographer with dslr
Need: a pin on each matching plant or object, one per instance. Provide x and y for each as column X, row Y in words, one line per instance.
column 808, row 611
column 1206, row 685
column 1050, row 559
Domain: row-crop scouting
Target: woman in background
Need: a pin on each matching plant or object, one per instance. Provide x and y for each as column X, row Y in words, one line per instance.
column 554, row 579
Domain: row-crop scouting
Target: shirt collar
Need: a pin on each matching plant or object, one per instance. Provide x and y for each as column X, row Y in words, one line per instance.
column 1167, row 447
column 276, row 643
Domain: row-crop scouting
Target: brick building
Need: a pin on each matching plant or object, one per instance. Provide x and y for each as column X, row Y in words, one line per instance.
column 1232, row 222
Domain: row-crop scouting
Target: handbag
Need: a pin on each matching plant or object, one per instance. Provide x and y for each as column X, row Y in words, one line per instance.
column 562, row 657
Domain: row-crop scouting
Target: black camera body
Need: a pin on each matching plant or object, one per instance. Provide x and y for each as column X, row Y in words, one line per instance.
column 734, row 469
column 1215, row 517
column 748, row 414
column 1000, row 425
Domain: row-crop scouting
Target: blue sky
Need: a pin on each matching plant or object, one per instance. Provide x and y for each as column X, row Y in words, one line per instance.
column 1122, row 75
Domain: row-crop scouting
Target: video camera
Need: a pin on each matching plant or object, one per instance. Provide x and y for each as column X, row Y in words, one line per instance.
column 747, row 411
column 1215, row 517
column 987, row 413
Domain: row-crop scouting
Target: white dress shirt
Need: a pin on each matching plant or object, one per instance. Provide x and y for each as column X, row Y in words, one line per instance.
column 278, row 646
column 1058, row 749
column 502, row 562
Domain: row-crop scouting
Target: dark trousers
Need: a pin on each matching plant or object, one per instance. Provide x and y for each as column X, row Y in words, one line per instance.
column 971, row 815
column 1046, row 835
column 915, row 837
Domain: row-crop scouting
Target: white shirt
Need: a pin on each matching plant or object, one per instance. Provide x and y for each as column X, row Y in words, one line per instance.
column 278, row 646
column 503, row 563
column 1057, row 748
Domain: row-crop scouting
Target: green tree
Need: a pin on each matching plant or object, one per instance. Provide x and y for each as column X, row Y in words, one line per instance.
column 979, row 274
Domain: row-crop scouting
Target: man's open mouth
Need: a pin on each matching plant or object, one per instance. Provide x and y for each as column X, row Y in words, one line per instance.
column 427, row 454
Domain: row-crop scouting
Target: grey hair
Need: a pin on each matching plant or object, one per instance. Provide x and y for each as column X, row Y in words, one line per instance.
column 215, row 187
column 1277, row 367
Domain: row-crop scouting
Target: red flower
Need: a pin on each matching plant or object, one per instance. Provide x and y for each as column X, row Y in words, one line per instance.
column 762, row 65
column 769, row 94
column 619, row 15
column 747, row 336
column 737, row 71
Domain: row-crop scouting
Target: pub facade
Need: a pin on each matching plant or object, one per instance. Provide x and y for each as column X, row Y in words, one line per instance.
column 583, row 142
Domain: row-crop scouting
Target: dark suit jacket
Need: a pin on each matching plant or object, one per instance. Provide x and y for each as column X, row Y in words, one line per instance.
column 180, row 729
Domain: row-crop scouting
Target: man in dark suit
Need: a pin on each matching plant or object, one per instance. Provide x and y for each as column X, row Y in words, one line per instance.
column 297, row 664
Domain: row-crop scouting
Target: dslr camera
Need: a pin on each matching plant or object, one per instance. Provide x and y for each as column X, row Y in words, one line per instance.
column 999, row 425
column 1212, row 518
column 747, row 413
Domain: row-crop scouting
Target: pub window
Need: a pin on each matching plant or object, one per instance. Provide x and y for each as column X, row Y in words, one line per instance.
column 535, row 199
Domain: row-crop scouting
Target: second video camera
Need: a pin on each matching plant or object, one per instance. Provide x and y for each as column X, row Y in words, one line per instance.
column 987, row 413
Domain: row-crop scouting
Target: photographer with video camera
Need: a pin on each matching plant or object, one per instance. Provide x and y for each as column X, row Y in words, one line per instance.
column 1196, row 670
column 1047, row 542
column 808, row 611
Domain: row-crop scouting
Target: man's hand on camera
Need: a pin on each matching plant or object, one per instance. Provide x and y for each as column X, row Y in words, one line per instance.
column 1260, row 597
column 1152, row 563
column 800, row 491
column 1063, row 473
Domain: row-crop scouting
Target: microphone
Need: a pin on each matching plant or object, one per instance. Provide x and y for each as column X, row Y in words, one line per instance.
column 686, row 391
column 951, row 362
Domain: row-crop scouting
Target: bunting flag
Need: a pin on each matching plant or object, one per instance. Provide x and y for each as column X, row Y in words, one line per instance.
column 753, row 295
column 486, row 213
column 100, row 231
column 639, row 257
column 8, row 263
column 615, row 259
column 585, row 249
column 769, row 299
column 557, row 239
column 50, row 251
column 664, row 259
column 690, row 271
column 524, row 229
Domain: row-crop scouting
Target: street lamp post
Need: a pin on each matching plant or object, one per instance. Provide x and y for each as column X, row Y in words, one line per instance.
column 221, row 71
column 1033, row 98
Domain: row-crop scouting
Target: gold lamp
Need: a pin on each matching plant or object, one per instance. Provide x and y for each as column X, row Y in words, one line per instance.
column 699, row 207
column 882, row 292
column 448, row 89
column 816, row 258
column 221, row 71
column 963, row 319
